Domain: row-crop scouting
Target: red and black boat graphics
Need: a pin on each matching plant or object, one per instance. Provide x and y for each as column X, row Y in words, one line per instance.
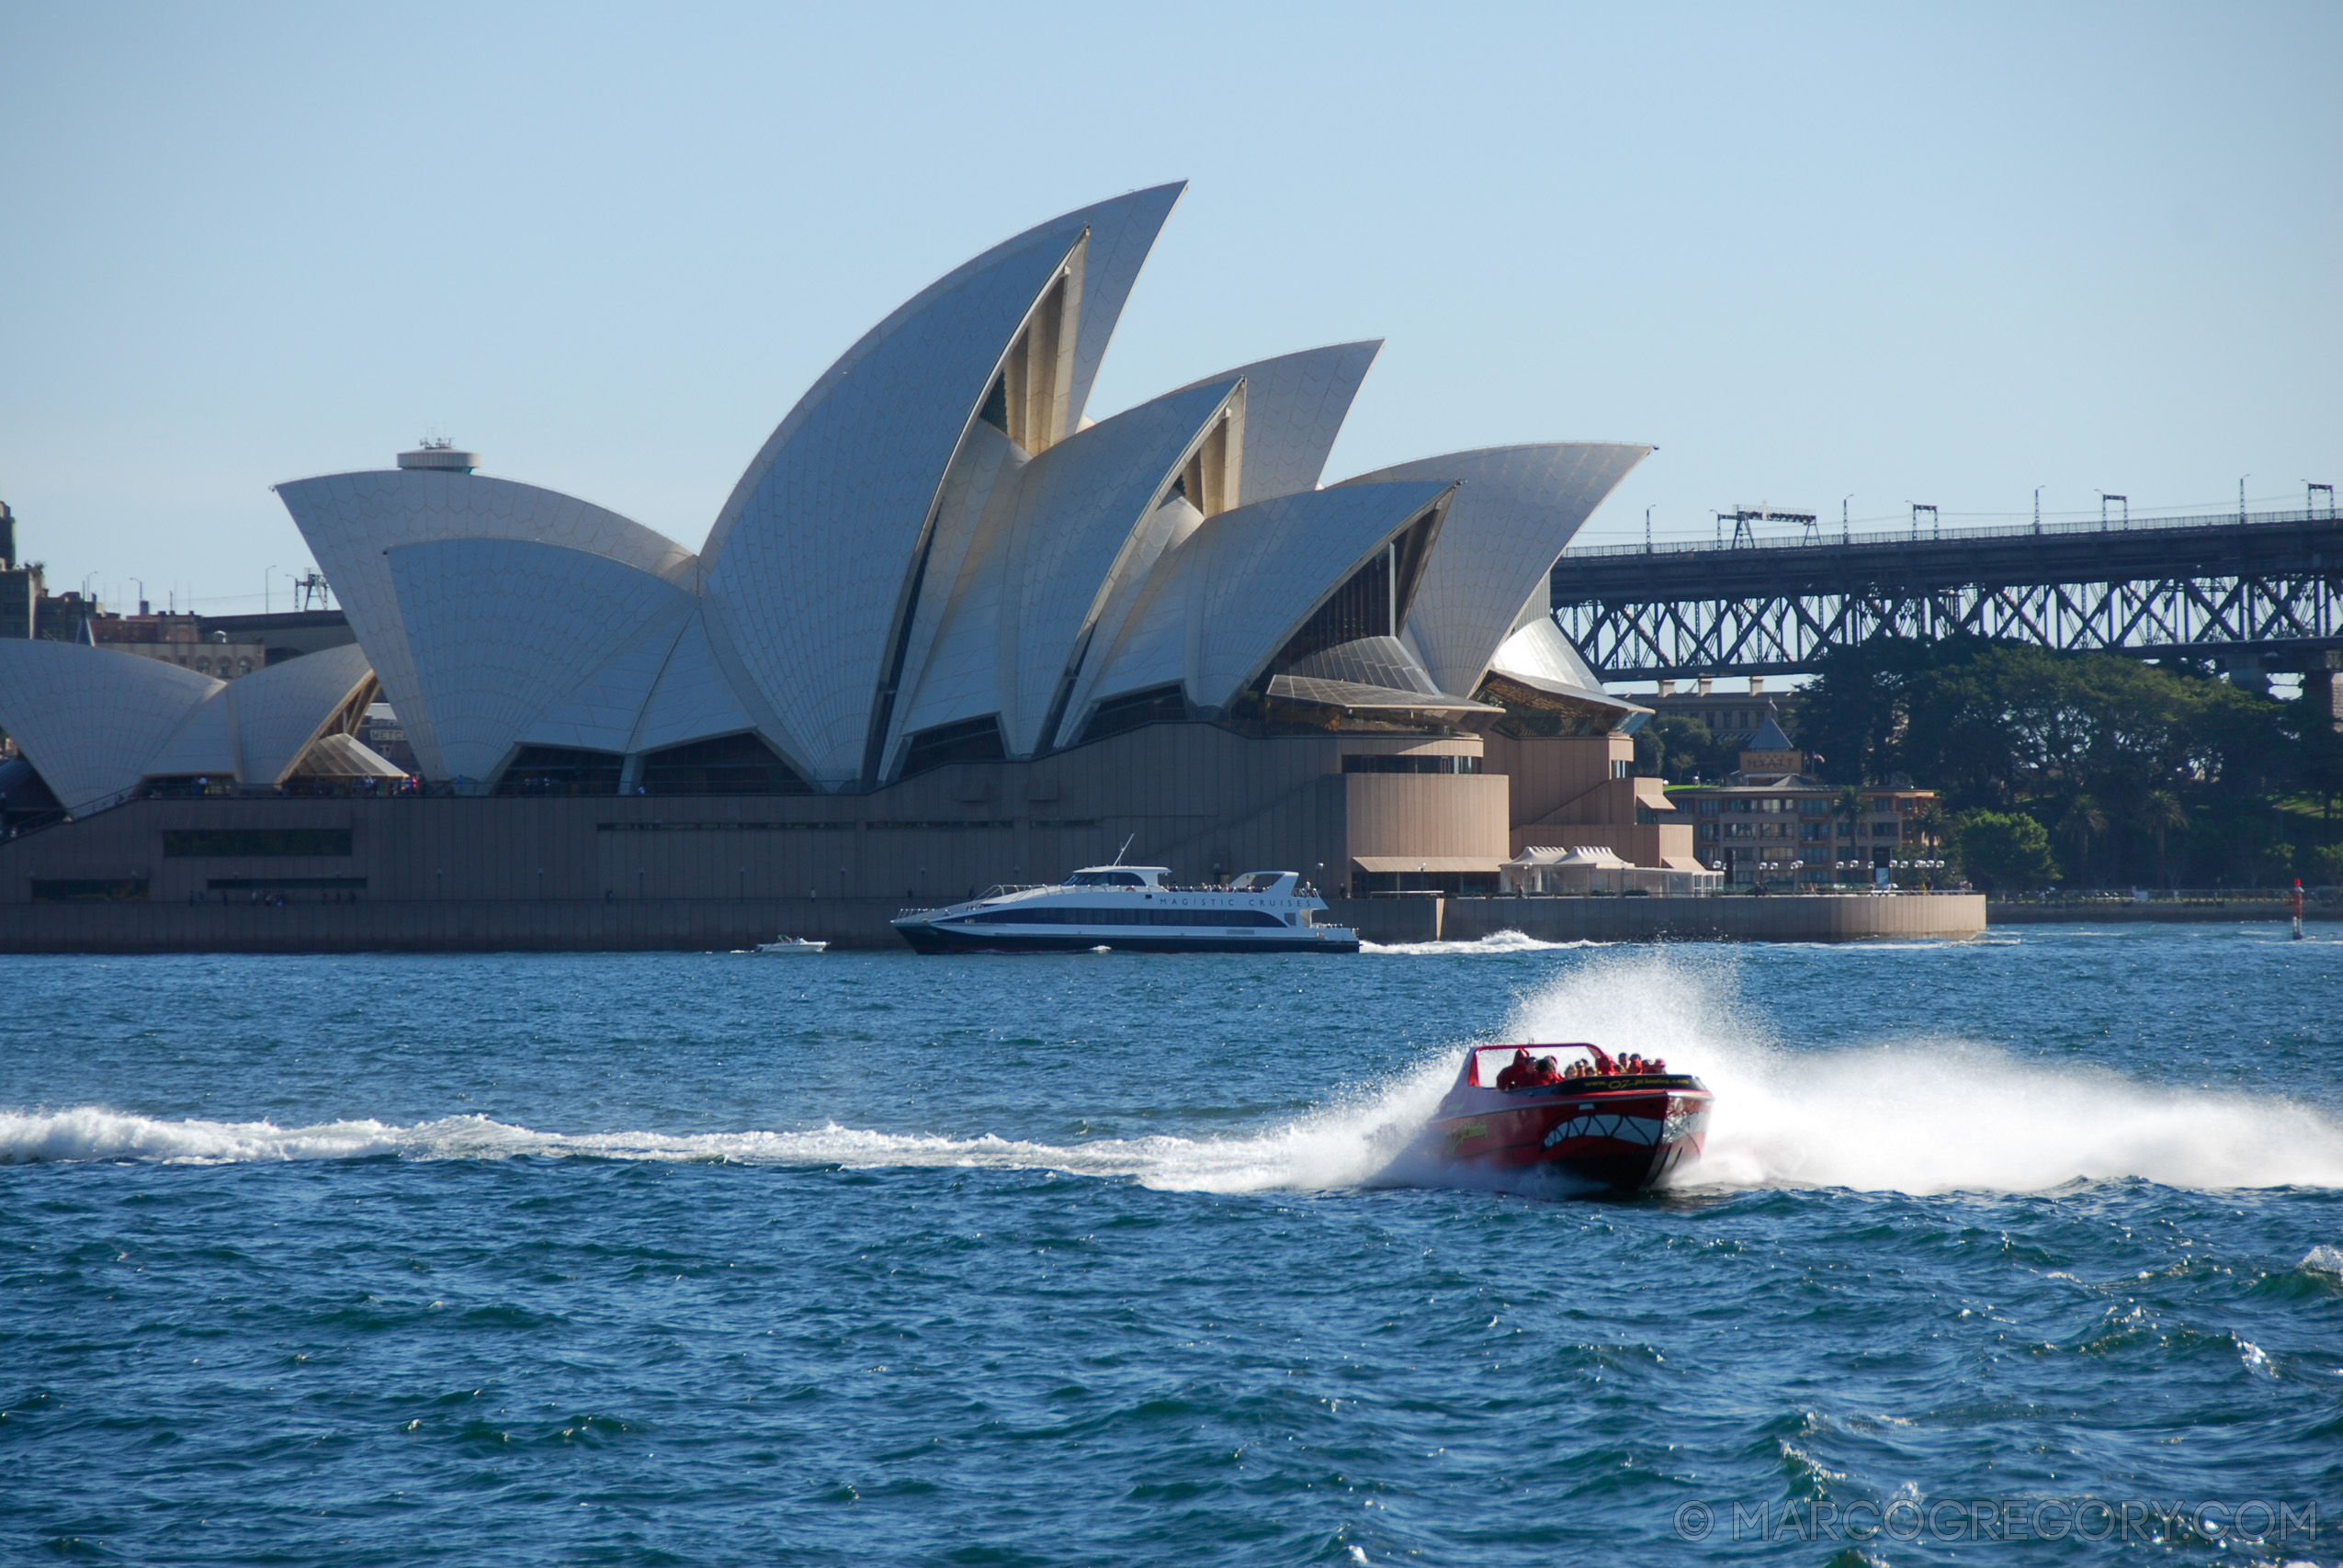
column 1621, row 1130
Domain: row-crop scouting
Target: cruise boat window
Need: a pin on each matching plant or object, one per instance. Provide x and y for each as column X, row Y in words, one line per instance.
column 1118, row 915
column 1256, row 882
column 1107, row 879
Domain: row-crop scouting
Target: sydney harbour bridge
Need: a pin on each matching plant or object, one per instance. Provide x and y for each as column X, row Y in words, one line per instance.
column 2257, row 593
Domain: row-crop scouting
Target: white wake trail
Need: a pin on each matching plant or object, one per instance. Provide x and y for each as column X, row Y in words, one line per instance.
column 1346, row 1145
column 1498, row 944
column 1921, row 1115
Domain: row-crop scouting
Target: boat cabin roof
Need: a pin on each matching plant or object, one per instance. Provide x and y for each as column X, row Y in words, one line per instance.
column 1159, row 876
column 1119, row 876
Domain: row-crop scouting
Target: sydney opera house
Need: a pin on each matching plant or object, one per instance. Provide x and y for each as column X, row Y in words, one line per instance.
column 951, row 629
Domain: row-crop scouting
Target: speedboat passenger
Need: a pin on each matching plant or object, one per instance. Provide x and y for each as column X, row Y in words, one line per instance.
column 1520, row 1073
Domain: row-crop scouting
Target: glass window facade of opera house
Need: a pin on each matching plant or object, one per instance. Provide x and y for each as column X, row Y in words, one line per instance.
column 951, row 629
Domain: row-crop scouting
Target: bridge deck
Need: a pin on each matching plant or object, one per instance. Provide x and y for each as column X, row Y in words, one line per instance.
column 2265, row 589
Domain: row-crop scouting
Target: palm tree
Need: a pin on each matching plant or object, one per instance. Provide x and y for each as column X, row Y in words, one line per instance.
column 1933, row 827
column 1849, row 809
column 2161, row 811
column 2083, row 822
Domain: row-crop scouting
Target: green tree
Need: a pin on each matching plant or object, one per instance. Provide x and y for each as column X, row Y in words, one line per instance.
column 2003, row 851
column 2003, row 728
column 2318, row 745
column 1674, row 746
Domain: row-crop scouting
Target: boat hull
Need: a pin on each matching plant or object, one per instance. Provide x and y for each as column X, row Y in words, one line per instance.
column 926, row 938
column 1629, row 1137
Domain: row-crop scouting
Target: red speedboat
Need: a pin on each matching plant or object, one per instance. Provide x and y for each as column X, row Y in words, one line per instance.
column 1605, row 1125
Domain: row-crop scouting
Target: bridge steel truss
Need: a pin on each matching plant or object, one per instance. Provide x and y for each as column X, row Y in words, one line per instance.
column 2262, row 592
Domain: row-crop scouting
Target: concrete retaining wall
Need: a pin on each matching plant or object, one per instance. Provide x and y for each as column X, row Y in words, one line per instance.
column 704, row 924
column 569, row 925
column 1790, row 918
column 2114, row 911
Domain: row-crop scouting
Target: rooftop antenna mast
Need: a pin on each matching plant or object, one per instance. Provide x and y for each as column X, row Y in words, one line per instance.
column 1124, row 850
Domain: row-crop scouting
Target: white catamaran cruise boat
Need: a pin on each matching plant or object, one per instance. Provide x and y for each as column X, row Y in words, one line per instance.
column 1133, row 908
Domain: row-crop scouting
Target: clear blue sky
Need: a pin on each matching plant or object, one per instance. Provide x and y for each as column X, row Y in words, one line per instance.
column 1941, row 256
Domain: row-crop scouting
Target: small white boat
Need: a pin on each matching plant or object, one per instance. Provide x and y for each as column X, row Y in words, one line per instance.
column 791, row 944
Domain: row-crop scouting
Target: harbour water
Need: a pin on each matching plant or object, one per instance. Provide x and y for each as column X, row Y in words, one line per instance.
column 1099, row 1258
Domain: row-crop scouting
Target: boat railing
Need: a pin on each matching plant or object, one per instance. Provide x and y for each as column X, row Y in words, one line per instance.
column 1004, row 889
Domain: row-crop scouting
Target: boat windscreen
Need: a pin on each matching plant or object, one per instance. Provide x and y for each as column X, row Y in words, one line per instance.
column 1490, row 1060
column 1106, row 879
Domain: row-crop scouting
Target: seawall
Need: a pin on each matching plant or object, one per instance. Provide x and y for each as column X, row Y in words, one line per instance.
column 2159, row 911
column 704, row 924
column 1829, row 916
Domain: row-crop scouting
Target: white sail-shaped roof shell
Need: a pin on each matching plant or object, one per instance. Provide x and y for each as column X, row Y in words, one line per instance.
column 500, row 630
column 1237, row 589
column 815, row 559
column 602, row 712
column 278, row 712
column 1538, row 649
column 90, row 720
column 691, row 700
column 951, row 665
column 1078, row 534
column 1516, row 508
column 1122, row 233
column 1072, row 541
column 350, row 520
column 256, row 730
column 1295, row 406
column 204, row 746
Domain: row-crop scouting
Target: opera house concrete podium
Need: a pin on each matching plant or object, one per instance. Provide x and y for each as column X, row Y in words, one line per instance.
column 950, row 631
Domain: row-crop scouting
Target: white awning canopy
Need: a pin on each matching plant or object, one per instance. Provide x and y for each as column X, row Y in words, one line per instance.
column 1552, row 858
